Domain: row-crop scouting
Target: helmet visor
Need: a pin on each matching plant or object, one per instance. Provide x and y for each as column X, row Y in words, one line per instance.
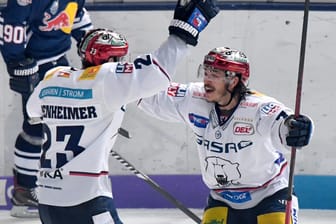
column 212, row 73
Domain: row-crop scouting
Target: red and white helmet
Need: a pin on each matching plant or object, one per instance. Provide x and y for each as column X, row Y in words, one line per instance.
column 228, row 59
column 99, row 45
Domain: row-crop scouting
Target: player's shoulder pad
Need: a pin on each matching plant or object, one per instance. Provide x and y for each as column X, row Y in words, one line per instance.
column 61, row 70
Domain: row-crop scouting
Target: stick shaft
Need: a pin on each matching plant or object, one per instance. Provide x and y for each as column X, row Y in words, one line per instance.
column 297, row 109
column 153, row 184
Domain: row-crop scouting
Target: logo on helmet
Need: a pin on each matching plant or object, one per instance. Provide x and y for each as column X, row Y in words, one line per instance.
column 101, row 45
column 209, row 58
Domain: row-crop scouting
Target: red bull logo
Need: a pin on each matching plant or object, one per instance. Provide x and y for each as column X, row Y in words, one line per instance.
column 56, row 23
column 62, row 21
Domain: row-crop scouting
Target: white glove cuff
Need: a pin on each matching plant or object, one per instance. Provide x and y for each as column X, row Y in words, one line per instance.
column 185, row 26
column 26, row 72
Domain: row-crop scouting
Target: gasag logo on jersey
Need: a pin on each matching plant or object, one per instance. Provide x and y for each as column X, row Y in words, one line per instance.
column 198, row 121
column 220, row 147
column 124, row 68
column 236, row 197
column 240, row 128
column 177, row 90
column 90, row 73
column 270, row 108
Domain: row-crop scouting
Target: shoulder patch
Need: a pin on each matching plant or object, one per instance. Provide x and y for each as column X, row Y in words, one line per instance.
column 63, row 74
column 270, row 108
column 51, row 73
column 90, row 73
column 124, row 68
column 177, row 90
column 198, row 120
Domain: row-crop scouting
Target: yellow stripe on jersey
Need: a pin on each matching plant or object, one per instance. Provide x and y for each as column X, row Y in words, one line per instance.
column 215, row 215
column 274, row 218
column 257, row 93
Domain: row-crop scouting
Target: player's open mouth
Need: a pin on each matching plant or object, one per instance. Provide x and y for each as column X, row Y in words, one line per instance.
column 208, row 89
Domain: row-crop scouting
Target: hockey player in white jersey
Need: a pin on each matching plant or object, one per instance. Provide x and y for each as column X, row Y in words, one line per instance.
column 241, row 137
column 82, row 110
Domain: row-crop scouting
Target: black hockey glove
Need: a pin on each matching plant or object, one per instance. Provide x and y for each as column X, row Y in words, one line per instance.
column 299, row 130
column 23, row 76
column 191, row 17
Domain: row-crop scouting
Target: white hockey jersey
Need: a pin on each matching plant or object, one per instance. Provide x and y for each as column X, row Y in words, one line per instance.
column 82, row 111
column 242, row 161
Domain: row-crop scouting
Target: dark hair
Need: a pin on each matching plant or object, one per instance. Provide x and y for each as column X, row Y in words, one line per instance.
column 240, row 89
column 86, row 64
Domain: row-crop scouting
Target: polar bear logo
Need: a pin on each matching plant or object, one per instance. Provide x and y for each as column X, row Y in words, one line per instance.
column 224, row 171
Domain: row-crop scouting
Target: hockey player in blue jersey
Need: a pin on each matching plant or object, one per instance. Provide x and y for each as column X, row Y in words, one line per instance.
column 82, row 110
column 35, row 36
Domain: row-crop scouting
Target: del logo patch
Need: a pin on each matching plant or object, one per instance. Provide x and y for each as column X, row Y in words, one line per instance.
column 240, row 128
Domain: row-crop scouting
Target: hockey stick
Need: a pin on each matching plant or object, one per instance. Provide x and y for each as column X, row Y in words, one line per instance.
column 151, row 182
column 297, row 110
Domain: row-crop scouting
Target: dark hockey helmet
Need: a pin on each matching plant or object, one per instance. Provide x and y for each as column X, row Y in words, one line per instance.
column 227, row 59
column 100, row 45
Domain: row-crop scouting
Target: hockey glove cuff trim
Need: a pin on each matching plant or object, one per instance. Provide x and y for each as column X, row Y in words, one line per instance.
column 185, row 26
column 25, row 67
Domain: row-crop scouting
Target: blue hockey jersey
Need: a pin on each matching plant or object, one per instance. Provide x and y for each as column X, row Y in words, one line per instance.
column 41, row 30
